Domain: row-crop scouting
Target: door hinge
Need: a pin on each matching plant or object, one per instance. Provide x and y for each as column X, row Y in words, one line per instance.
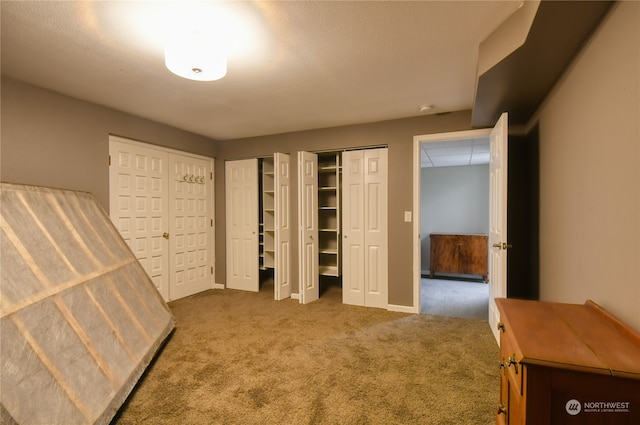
column 211, row 175
column 211, row 222
column 109, row 160
column 211, row 269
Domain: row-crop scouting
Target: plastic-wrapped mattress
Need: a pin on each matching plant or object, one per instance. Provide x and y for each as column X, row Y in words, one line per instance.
column 80, row 320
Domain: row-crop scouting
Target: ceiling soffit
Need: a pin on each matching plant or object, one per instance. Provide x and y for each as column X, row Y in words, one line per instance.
column 519, row 82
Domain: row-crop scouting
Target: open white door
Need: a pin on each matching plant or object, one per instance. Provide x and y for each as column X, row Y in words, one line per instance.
column 308, row 222
column 282, row 273
column 241, row 196
column 497, row 219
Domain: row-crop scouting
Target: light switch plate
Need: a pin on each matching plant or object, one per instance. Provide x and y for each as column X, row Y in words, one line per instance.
column 407, row 216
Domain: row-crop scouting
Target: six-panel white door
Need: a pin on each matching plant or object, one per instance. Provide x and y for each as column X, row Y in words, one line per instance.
column 282, row 236
column 309, row 278
column 498, row 143
column 241, row 199
column 364, row 232
column 191, row 220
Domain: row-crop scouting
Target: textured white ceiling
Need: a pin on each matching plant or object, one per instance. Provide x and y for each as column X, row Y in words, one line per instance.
column 454, row 153
column 313, row 65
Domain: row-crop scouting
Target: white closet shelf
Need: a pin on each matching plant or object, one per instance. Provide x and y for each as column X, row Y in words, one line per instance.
column 328, row 270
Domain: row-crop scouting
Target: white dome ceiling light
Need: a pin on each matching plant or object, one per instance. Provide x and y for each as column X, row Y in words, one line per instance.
column 196, row 55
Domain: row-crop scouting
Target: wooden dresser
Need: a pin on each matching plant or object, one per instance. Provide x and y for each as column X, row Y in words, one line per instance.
column 566, row 364
column 459, row 254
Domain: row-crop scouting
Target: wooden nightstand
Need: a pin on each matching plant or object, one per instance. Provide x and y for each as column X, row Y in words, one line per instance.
column 566, row 364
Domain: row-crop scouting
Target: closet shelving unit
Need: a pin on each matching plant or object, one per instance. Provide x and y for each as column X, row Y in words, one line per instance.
column 329, row 183
column 267, row 225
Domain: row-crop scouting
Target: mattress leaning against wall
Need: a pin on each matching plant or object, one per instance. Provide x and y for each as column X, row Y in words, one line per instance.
column 80, row 319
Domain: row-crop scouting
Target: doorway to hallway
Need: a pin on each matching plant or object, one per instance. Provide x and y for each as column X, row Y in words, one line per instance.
column 454, row 201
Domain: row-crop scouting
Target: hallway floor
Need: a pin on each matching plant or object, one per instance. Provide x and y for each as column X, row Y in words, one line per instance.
column 454, row 298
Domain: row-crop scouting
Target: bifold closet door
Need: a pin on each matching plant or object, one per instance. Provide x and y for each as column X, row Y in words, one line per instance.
column 282, row 232
column 364, row 227
column 241, row 196
column 309, row 278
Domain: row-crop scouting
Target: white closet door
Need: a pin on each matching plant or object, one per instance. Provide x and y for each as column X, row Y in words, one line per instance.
column 138, row 193
column 190, row 213
column 365, row 228
column 376, row 273
column 308, row 224
column 353, row 249
column 282, row 184
column 241, row 195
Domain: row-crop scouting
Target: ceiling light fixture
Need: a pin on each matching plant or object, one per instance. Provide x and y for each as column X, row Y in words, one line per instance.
column 426, row 109
column 196, row 55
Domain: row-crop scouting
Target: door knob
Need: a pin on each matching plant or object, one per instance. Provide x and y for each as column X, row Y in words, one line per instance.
column 497, row 245
column 165, row 235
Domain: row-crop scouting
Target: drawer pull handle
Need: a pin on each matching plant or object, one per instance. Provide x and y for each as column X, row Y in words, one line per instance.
column 501, row 326
column 502, row 409
column 514, row 362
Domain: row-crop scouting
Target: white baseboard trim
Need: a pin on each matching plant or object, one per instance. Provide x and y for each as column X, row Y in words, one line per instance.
column 295, row 296
column 401, row 308
column 218, row 286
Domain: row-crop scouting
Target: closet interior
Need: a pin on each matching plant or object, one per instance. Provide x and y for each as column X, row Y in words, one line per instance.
column 329, row 219
column 267, row 210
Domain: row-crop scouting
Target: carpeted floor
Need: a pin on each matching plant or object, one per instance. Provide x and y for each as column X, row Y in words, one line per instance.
column 454, row 298
column 242, row 358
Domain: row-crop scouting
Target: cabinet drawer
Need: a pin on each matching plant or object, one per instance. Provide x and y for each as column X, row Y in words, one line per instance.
column 509, row 360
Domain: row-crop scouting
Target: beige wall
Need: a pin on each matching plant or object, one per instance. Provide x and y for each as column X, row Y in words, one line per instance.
column 589, row 165
column 590, row 173
column 397, row 134
column 53, row 140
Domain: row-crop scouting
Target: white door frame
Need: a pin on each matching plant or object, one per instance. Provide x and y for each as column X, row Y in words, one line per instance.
column 417, row 141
